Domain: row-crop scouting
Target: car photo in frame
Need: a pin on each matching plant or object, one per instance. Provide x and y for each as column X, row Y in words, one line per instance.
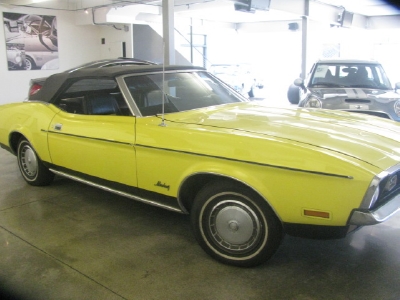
column 31, row 41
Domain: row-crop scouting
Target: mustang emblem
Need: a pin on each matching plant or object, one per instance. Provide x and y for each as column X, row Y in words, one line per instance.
column 163, row 185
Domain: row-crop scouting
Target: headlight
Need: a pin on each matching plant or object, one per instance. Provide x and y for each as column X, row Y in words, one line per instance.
column 397, row 108
column 313, row 102
column 372, row 194
column 375, row 197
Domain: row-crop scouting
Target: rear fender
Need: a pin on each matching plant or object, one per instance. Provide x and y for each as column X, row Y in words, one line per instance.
column 30, row 120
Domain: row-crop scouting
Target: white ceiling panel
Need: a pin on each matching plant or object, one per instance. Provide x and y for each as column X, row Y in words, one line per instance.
column 217, row 10
column 368, row 8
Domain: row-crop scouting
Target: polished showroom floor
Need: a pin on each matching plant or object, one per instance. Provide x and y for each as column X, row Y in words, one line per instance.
column 70, row 241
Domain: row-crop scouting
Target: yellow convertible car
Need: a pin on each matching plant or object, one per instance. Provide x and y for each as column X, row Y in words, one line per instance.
column 181, row 139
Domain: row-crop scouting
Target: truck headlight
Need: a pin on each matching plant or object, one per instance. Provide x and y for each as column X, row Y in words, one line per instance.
column 313, row 102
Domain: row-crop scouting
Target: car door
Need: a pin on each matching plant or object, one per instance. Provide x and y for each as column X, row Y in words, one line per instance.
column 94, row 134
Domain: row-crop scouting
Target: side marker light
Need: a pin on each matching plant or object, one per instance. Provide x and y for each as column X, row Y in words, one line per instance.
column 316, row 214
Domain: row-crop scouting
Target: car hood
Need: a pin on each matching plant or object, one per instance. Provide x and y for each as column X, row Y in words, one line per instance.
column 382, row 96
column 372, row 140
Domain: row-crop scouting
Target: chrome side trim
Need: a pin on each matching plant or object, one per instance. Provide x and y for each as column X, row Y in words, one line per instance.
column 105, row 188
column 381, row 214
column 88, row 137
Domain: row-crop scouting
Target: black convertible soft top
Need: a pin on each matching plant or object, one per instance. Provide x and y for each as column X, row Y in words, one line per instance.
column 55, row 82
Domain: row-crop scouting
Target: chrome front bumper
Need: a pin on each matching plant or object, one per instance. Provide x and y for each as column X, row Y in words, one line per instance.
column 363, row 217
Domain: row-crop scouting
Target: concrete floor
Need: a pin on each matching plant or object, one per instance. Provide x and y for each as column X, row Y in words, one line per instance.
column 71, row 241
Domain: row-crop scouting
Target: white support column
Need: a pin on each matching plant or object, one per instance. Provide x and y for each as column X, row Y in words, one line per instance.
column 304, row 31
column 168, row 31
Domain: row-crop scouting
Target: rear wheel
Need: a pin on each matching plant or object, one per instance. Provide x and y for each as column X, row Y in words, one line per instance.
column 234, row 225
column 30, row 165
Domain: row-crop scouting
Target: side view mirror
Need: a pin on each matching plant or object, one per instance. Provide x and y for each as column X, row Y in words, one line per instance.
column 300, row 83
column 397, row 86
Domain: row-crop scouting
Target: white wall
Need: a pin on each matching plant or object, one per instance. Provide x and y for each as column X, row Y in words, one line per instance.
column 114, row 37
column 77, row 44
column 276, row 55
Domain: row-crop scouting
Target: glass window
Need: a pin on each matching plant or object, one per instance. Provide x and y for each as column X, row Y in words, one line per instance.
column 91, row 96
column 182, row 91
column 349, row 75
column 92, row 85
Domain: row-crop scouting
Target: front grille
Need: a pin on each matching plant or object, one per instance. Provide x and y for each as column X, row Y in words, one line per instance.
column 357, row 101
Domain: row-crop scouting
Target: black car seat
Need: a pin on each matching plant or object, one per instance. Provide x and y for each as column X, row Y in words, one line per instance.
column 102, row 104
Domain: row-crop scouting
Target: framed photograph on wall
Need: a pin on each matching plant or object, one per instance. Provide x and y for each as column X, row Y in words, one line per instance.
column 31, row 41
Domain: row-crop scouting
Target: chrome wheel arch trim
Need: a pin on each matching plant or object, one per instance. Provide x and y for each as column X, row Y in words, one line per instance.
column 222, row 176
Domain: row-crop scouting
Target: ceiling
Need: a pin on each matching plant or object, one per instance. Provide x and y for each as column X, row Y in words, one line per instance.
column 213, row 10
column 368, row 8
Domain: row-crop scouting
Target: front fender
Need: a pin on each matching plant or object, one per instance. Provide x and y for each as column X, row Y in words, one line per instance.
column 289, row 192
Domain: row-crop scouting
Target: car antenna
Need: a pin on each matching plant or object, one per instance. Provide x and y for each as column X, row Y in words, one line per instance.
column 162, row 124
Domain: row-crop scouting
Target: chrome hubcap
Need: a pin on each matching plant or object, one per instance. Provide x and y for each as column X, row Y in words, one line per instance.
column 234, row 226
column 29, row 161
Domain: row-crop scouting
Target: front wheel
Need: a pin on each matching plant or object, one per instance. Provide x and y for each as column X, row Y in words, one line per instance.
column 234, row 225
column 30, row 165
column 29, row 63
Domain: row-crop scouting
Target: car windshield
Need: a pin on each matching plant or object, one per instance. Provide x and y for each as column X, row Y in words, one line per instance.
column 349, row 75
column 182, row 91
